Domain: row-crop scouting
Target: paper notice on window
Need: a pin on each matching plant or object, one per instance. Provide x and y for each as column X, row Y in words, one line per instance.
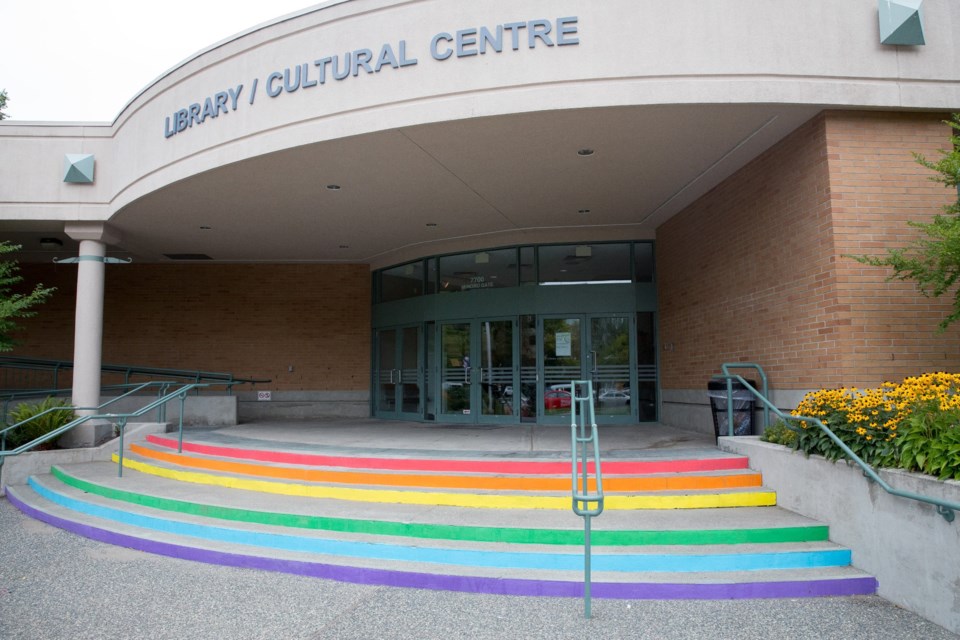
column 564, row 344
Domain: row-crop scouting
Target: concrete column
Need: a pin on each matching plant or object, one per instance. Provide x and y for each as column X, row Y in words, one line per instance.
column 88, row 328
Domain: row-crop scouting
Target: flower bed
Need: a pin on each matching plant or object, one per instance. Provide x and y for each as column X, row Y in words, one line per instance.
column 913, row 425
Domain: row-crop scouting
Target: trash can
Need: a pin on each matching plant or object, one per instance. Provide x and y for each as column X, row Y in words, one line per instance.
column 744, row 403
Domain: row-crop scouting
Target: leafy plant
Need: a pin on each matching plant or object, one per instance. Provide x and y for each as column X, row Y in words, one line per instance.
column 780, row 433
column 930, row 441
column 47, row 416
column 15, row 305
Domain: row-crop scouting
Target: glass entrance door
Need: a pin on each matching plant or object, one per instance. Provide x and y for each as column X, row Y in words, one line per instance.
column 587, row 347
column 609, row 359
column 478, row 371
column 499, row 393
column 562, row 362
column 399, row 373
column 456, row 371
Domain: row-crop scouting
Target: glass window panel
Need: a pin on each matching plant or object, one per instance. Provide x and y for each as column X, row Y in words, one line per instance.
column 643, row 261
column 431, row 276
column 646, row 367
column 528, row 267
column 481, row 270
column 405, row 281
column 528, row 370
column 584, row 263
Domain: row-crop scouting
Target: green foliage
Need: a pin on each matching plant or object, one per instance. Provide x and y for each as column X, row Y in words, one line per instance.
column 913, row 425
column 14, row 306
column 55, row 414
column 933, row 260
column 780, row 433
column 930, row 442
column 3, row 104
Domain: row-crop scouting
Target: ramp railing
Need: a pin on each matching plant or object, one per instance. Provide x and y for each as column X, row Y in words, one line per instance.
column 585, row 446
column 54, row 367
column 120, row 419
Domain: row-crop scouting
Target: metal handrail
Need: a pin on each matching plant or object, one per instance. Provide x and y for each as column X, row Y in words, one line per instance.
column 4, row 431
column 580, row 479
column 725, row 367
column 45, row 393
column 120, row 417
column 945, row 508
column 41, row 364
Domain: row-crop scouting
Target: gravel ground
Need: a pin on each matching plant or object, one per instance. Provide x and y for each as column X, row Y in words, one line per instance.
column 54, row 584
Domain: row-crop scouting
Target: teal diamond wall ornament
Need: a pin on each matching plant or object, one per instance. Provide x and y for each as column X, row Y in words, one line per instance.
column 901, row 22
column 78, row 168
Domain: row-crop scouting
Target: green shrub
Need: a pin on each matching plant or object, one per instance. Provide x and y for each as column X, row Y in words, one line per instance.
column 40, row 425
column 780, row 433
column 929, row 441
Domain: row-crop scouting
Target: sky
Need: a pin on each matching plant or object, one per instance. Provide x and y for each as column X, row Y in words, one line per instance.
column 84, row 60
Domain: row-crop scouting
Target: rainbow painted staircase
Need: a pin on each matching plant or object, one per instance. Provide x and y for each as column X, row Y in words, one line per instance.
column 700, row 527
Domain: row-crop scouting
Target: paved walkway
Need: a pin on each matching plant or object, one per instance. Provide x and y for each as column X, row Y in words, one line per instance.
column 56, row 585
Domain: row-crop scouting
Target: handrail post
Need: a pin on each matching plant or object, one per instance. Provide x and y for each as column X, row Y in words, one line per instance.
column 122, row 424
column 582, row 498
column 183, row 397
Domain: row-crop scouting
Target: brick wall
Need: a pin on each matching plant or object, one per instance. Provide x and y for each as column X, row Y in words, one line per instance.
column 876, row 187
column 753, row 271
column 249, row 320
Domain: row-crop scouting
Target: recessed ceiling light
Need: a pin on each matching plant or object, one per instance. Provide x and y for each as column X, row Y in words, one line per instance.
column 584, row 211
column 333, row 187
column 431, row 224
column 584, row 153
column 344, row 246
column 205, row 227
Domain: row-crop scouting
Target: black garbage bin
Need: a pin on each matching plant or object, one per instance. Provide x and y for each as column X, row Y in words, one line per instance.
column 744, row 403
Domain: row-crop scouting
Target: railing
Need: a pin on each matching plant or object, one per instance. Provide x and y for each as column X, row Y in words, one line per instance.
column 135, row 388
column 128, row 371
column 945, row 508
column 579, row 445
column 121, row 419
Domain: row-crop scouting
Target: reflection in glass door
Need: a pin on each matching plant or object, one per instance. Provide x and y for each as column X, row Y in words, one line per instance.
column 596, row 348
column 456, row 370
column 477, row 372
column 398, row 374
column 409, row 380
column 562, row 362
column 497, row 386
column 610, row 365
column 386, row 371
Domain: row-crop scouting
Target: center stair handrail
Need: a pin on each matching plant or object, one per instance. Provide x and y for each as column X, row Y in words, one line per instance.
column 945, row 508
column 582, row 497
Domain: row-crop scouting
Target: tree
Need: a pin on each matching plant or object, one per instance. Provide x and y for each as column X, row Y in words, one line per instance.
column 933, row 260
column 3, row 104
column 14, row 306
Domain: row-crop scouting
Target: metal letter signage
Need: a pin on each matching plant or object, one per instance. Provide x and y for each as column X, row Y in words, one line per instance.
column 461, row 43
